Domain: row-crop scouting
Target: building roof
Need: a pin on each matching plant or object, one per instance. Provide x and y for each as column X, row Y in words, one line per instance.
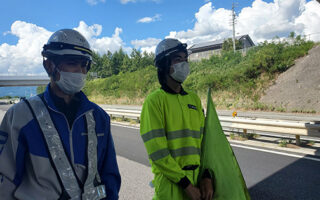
column 217, row 44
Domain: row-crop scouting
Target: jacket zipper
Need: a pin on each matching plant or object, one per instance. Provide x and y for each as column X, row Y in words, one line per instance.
column 70, row 131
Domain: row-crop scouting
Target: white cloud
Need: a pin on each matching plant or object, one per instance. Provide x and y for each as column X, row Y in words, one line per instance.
column 210, row 24
column 310, row 20
column 148, row 45
column 157, row 17
column 95, row 2
column 102, row 44
column 262, row 21
column 135, row 1
column 24, row 58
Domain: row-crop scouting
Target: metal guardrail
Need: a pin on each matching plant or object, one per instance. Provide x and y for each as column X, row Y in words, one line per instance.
column 276, row 126
column 297, row 128
column 122, row 113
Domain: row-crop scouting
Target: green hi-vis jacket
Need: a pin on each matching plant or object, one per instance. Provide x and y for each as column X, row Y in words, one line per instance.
column 171, row 127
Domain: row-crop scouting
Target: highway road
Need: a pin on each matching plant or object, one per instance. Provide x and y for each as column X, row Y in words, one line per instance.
column 268, row 175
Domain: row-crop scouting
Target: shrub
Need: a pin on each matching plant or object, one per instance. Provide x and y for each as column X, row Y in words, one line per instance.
column 284, row 142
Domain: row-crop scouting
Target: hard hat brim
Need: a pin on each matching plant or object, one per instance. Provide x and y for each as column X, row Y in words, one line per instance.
column 65, row 52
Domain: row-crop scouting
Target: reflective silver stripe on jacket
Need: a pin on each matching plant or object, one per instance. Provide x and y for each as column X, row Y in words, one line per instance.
column 91, row 192
column 60, row 160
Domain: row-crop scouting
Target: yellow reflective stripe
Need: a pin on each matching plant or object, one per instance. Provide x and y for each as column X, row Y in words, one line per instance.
column 83, row 49
column 159, row 154
column 172, row 134
column 184, row 151
column 183, row 133
column 153, row 134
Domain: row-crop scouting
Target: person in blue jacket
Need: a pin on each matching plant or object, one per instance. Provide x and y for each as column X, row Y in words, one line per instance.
column 58, row 145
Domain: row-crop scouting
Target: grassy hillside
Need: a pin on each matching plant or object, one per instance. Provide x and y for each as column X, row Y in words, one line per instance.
column 237, row 80
column 124, row 88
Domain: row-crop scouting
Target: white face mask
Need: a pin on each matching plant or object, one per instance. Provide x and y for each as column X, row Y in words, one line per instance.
column 181, row 71
column 71, row 83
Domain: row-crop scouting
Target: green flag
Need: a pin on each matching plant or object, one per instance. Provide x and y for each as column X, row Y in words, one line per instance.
column 218, row 157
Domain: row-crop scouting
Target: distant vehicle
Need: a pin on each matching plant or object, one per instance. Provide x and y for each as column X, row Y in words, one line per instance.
column 22, row 98
column 14, row 100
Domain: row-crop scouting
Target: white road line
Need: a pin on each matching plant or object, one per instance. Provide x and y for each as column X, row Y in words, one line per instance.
column 276, row 152
column 244, row 147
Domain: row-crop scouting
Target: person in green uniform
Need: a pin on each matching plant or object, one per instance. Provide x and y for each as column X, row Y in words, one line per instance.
column 171, row 128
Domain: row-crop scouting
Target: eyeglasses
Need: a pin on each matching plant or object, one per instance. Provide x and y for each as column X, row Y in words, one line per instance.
column 75, row 61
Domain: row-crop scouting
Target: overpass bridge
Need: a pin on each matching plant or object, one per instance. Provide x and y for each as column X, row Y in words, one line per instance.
column 7, row 81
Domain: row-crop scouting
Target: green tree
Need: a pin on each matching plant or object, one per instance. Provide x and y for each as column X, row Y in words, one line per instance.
column 106, row 70
column 136, row 60
column 147, row 59
column 96, row 65
column 291, row 35
column 126, row 64
column 117, row 61
column 228, row 44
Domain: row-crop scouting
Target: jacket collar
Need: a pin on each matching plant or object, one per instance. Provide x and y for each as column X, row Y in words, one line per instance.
column 51, row 100
column 169, row 90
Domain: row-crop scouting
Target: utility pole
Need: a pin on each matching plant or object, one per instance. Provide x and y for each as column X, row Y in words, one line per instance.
column 233, row 27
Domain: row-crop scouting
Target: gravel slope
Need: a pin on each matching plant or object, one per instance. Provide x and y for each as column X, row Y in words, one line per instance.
column 298, row 89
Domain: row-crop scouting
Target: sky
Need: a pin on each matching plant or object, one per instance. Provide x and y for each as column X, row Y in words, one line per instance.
column 109, row 25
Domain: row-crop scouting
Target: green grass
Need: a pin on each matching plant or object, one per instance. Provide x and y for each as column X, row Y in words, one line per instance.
column 311, row 143
column 9, row 97
column 124, row 88
column 284, row 142
column 232, row 136
column 304, row 111
column 242, row 136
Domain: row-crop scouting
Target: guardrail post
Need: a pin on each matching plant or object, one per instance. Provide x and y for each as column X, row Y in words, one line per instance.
column 298, row 142
column 245, row 132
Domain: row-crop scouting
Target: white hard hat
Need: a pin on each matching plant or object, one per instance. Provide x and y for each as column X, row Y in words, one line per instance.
column 168, row 46
column 67, row 42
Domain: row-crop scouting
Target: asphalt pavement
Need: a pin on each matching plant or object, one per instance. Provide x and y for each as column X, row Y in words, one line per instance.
column 135, row 179
column 269, row 174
